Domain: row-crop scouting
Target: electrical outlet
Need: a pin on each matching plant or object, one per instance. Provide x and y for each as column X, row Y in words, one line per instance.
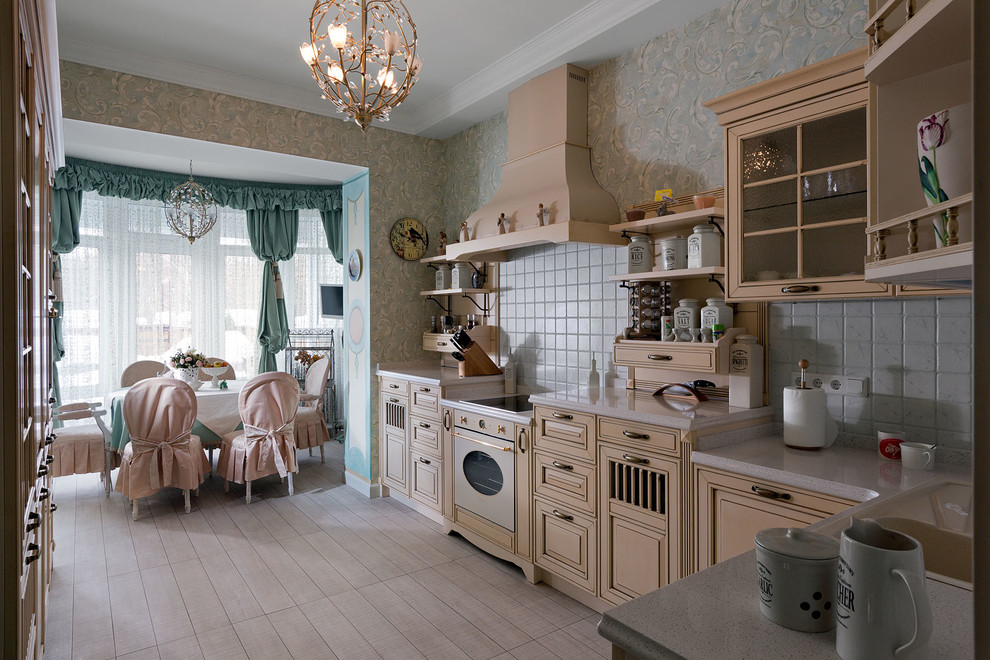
column 834, row 384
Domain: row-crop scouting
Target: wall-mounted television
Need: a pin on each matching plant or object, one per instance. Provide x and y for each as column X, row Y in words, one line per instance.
column 331, row 301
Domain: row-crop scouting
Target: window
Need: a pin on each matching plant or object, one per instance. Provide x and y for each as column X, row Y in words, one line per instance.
column 134, row 290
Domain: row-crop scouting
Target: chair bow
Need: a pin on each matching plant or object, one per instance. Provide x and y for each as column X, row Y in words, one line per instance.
column 266, row 439
column 165, row 450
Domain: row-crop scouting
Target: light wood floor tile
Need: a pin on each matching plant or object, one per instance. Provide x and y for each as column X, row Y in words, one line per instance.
column 143, row 654
column 259, row 639
column 323, row 574
column 337, row 632
column 299, row 636
column 168, row 611
column 132, row 629
column 181, row 649
column 221, row 644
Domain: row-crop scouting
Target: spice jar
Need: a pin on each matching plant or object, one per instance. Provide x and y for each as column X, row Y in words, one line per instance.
column 686, row 314
column 674, row 252
column 443, row 277
column 704, row 247
column 716, row 312
column 640, row 254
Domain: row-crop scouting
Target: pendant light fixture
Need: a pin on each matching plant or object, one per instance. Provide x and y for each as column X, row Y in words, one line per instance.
column 190, row 209
column 362, row 54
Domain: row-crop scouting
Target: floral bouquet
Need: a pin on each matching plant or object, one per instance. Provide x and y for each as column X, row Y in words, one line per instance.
column 187, row 359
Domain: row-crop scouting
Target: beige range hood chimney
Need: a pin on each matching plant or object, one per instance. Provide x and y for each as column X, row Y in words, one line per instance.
column 549, row 163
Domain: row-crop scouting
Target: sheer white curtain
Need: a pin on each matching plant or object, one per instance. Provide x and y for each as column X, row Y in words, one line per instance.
column 134, row 290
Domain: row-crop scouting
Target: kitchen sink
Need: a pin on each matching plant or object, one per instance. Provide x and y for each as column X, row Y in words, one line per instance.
column 937, row 515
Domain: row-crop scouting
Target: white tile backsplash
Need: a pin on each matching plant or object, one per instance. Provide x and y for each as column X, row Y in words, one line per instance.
column 917, row 353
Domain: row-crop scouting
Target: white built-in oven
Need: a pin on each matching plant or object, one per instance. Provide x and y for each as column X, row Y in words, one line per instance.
column 484, row 468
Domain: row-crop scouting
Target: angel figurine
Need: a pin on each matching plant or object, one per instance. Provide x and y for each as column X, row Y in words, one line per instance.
column 442, row 244
column 465, row 237
column 542, row 214
column 501, row 223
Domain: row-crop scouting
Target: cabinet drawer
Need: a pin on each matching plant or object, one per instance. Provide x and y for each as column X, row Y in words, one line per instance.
column 394, row 385
column 667, row 355
column 440, row 342
column 770, row 492
column 566, row 543
column 424, row 400
column 639, row 435
column 564, row 432
column 425, row 484
column 425, row 436
column 568, row 482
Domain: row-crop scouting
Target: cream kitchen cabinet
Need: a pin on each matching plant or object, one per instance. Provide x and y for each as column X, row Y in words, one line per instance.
column 797, row 175
column 394, row 448
column 730, row 509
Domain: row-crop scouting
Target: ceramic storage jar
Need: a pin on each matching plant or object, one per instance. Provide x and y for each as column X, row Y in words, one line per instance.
column 796, row 572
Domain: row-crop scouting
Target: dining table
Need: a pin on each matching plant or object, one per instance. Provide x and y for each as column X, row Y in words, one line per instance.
column 216, row 415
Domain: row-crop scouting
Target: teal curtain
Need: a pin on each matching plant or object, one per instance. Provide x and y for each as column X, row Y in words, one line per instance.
column 274, row 234
column 136, row 183
column 66, row 207
column 333, row 227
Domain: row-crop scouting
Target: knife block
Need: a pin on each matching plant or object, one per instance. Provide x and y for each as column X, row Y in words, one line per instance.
column 476, row 363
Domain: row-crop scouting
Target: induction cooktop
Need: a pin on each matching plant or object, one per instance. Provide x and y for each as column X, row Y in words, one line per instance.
column 517, row 403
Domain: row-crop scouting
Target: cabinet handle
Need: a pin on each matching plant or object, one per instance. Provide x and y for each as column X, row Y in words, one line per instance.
column 659, row 358
column 635, row 459
column 392, row 399
column 423, row 460
column 635, row 436
column 424, row 425
column 520, row 441
column 446, row 419
column 770, row 494
column 43, row 494
column 42, row 470
column 53, row 508
column 562, row 516
column 33, row 554
column 562, row 415
column 499, row 429
column 425, row 389
column 393, row 386
column 52, row 313
column 799, row 288
column 49, row 459
column 463, row 419
column 441, row 343
column 562, row 466
column 34, row 521
column 50, row 438
column 51, row 400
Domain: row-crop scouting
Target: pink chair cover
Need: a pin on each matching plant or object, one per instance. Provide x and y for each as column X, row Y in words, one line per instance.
column 311, row 428
column 268, row 406
column 159, row 414
column 140, row 370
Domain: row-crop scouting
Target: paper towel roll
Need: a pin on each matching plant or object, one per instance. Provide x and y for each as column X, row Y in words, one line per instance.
column 807, row 423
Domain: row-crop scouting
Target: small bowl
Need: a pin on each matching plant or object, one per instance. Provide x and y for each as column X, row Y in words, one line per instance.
column 703, row 201
column 632, row 215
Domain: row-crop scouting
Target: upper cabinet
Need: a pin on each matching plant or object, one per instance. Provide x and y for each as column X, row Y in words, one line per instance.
column 797, row 184
column 921, row 119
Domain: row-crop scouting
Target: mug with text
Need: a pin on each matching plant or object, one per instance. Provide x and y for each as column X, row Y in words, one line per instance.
column 889, row 444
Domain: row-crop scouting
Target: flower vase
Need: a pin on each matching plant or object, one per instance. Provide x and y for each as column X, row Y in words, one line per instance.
column 188, row 376
column 944, row 142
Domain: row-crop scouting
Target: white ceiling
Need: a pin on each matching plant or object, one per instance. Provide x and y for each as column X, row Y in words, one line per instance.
column 474, row 51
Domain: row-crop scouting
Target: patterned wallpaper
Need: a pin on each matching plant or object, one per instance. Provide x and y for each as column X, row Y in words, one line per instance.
column 406, row 174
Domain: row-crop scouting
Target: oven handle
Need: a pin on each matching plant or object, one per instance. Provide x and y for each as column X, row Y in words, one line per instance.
column 480, row 442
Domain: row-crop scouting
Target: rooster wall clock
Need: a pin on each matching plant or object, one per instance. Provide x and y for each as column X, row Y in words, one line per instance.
column 409, row 238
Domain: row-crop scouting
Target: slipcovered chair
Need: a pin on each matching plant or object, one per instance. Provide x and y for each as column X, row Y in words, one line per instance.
column 138, row 371
column 227, row 375
column 83, row 448
column 311, row 428
column 267, row 445
column 159, row 414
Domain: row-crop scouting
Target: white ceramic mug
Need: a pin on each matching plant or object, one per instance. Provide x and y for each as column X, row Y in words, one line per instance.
column 918, row 456
column 882, row 608
column 889, row 444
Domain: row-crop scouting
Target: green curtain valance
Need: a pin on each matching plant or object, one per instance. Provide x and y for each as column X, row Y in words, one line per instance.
column 135, row 183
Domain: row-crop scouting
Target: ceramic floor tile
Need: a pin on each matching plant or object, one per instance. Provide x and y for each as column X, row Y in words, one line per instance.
column 346, row 642
column 267, row 590
column 181, row 649
column 206, row 612
column 299, row 635
column 132, row 629
column 260, row 640
column 168, row 611
column 414, row 627
column 221, row 644
column 290, row 576
column 380, row 633
column 143, row 654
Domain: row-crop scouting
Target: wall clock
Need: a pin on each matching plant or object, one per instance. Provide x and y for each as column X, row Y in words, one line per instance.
column 409, row 238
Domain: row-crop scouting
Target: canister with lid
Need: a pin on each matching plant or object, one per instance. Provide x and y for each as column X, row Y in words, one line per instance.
column 716, row 311
column 674, row 252
column 460, row 277
column 686, row 314
column 640, row 254
column 704, row 247
column 796, row 572
column 443, row 276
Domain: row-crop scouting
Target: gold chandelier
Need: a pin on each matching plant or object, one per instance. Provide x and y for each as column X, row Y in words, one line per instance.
column 363, row 55
column 190, row 209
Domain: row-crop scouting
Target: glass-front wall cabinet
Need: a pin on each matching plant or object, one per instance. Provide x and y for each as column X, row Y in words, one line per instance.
column 797, row 185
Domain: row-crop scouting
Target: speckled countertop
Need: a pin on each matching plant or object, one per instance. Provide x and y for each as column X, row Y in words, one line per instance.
column 715, row 613
column 431, row 373
column 640, row 406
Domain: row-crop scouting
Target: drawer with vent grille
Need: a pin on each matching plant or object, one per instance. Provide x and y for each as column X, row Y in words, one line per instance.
column 394, row 411
column 637, row 484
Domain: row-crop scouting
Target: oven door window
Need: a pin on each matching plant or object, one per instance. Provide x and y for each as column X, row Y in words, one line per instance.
column 483, row 473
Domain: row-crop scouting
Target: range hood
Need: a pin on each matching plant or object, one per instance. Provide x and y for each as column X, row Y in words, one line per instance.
column 549, row 163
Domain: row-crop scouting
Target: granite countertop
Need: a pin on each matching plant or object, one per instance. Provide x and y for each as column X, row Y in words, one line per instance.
column 716, row 613
column 642, row 406
column 431, row 373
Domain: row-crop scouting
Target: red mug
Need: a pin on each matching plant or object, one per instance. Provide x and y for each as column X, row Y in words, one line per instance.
column 889, row 444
